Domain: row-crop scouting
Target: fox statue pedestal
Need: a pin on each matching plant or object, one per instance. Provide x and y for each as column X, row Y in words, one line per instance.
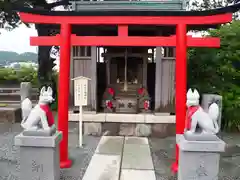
column 199, row 147
column 39, row 156
column 199, row 159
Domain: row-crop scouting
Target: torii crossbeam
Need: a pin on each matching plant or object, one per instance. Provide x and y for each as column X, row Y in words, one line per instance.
column 124, row 41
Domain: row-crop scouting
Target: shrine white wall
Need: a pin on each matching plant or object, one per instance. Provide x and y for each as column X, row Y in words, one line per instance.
column 165, row 80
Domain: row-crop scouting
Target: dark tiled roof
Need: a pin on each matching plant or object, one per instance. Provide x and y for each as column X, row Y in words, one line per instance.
column 228, row 9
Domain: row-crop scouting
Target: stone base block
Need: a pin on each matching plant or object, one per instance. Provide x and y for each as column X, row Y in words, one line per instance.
column 10, row 114
column 25, row 90
column 94, row 129
column 200, row 137
column 163, row 130
column 202, row 159
column 143, row 130
column 129, row 129
column 110, row 129
column 40, row 132
column 208, row 99
column 39, row 156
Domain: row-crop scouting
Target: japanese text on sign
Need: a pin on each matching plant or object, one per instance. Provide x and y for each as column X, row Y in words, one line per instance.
column 80, row 91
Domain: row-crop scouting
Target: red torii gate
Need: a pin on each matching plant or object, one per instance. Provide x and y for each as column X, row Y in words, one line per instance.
column 65, row 40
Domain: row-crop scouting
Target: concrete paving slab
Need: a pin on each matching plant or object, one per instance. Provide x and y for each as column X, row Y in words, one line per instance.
column 111, row 145
column 103, row 167
column 136, row 140
column 137, row 156
column 129, row 174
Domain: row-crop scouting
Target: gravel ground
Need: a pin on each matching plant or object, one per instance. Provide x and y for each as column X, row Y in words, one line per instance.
column 162, row 153
column 9, row 154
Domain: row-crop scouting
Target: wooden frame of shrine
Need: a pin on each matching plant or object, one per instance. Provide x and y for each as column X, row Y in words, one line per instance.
column 180, row 19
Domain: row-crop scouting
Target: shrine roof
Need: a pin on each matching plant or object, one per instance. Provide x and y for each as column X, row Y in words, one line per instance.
column 79, row 5
column 98, row 12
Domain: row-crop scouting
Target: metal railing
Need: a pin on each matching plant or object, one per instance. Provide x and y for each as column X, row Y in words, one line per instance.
column 12, row 95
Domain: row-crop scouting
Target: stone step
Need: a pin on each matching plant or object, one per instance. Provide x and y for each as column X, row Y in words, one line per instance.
column 111, row 156
column 137, row 161
column 111, row 145
column 34, row 102
column 10, row 114
column 10, row 94
column 103, row 167
column 15, row 98
column 136, row 154
column 105, row 163
column 126, row 97
column 9, row 90
column 124, row 118
column 129, row 87
column 128, row 92
column 10, row 98
column 129, row 174
column 9, row 102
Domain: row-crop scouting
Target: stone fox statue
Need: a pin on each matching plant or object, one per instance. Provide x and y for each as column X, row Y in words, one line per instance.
column 197, row 116
column 40, row 117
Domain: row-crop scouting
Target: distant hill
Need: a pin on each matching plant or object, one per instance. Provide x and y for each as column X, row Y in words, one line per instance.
column 7, row 57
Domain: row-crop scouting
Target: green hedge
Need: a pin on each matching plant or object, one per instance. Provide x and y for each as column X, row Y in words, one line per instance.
column 217, row 70
column 9, row 76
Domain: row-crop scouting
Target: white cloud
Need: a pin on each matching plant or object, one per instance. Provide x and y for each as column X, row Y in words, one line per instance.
column 17, row 40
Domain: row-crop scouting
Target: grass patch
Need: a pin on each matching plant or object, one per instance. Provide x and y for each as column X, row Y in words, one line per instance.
column 3, row 105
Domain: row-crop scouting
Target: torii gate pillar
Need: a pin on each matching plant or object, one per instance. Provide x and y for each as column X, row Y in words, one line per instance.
column 63, row 96
column 181, row 84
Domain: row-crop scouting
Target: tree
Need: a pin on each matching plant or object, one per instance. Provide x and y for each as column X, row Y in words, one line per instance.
column 9, row 19
column 218, row 71
column 7, row 57
column 211, row 4
column 208, row 4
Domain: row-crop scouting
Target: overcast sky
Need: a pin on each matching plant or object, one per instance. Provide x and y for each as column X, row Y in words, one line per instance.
column 17, row 40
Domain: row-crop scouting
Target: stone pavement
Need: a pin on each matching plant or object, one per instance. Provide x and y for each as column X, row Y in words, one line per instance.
column 124, row 158
column 162, row 152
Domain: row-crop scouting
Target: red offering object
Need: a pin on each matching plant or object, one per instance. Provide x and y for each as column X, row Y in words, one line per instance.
column 49, row 114
column 109, row 104
column 146, row 105
column 191, row 110
column 111, row 91
column 140, row 91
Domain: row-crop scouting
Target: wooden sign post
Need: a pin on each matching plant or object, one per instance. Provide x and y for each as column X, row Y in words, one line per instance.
column 80, row 99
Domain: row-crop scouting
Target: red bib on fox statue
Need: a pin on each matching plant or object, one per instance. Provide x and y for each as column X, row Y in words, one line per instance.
column 49, row 114
column 190, row 111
